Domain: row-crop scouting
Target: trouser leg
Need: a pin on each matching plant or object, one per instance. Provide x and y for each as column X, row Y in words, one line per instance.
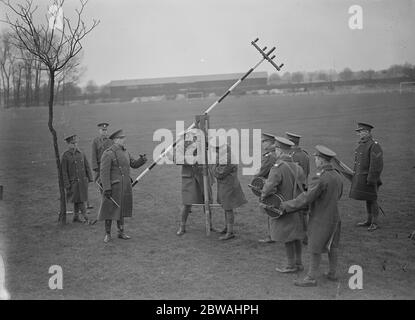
column 374, row 210
column 108, row 224
column 229, row 221
column 290, row 251
column 121, row 233
column 120, row 224
column 269, row 227
column 333, row 256
column 314, row 265
column 183, row 219
column 75, row 212
column 230, row 218
column 369, row 211
column 185, row 214
column 82, row 209
column 298, row 252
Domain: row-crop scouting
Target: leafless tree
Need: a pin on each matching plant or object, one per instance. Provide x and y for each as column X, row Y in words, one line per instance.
column 7, row 61
column 54, row 43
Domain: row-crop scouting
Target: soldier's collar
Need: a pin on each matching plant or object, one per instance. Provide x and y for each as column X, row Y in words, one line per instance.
column 324, row 167
column 365, row 139
column 74, row 150
column 285, row 157
column 119, row 146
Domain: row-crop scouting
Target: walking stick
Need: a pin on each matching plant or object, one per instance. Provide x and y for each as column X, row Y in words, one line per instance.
column 265, row 56
column 111, row 198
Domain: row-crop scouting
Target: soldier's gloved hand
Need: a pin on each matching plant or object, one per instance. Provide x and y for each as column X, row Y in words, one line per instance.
column 371, row 183
column 108, row 194
column 143, row 159
column 283, row 207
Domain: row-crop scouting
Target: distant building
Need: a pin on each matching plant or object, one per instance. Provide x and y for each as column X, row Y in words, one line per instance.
column 190, row 86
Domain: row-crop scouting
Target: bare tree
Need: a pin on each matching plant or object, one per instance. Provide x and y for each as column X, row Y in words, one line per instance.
column 7, row 61
column 54, row 43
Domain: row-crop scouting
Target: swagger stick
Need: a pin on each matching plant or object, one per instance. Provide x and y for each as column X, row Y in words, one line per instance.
column 265, row 56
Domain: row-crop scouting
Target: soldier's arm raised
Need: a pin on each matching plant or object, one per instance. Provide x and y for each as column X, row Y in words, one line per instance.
column 137, row 163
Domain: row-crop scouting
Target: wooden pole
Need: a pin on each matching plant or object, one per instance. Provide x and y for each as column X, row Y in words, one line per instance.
column 203, row 121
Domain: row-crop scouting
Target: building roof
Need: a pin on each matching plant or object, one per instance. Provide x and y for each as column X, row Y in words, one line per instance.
column 186, row 79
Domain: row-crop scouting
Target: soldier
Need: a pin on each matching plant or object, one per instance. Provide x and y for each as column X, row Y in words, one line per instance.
column 287, row 178
column 117, row 200
column 192, row 178
column 230, row 194
column 99, row 145
column 267, row 161
column 76, row 176
column 301, row 156
column 368, row 167
column 323, row 194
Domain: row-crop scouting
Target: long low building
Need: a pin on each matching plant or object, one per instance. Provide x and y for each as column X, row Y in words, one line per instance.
column 189, row 86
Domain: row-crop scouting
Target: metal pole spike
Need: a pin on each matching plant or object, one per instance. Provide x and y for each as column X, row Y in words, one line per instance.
column 256, row 40
column 265, row 48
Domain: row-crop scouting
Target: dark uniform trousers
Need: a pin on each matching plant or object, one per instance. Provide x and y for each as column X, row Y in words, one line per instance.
column 366, row 180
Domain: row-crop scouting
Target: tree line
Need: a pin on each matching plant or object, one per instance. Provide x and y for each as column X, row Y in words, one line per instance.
column 405, row 70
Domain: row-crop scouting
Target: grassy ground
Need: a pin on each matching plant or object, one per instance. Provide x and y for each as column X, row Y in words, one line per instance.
column 156, row 263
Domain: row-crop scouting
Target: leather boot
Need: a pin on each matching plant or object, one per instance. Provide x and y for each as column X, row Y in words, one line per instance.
column 229, row 233
column 107, row 238
column 122, row 234
column 182, row 230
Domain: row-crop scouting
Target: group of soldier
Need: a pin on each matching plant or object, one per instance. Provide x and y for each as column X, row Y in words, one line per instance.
column 111, row 163
column 310, row 210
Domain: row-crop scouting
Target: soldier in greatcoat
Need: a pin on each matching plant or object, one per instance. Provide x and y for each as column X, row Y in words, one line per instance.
column 286, row 178
column 76, row 176
column 368, row 166
column 99, row 145
column 191, row 174
column 322, row 196
column 301, row 157
column 117, row 199
column 230, row 194
column 267, row 161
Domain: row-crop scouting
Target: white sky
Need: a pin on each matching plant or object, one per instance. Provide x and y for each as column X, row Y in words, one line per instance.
column 162, row 38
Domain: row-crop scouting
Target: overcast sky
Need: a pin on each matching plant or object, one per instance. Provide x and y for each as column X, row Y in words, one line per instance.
column 162, row 38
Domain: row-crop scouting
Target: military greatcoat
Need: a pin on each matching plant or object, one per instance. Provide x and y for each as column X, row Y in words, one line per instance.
column 282, row 179
column 267, row 161
column 230, row 194
column 76, row 175
column 99, row 145
column 322, row 195
column 302, row 158
column 368, row 167
column 115, row 176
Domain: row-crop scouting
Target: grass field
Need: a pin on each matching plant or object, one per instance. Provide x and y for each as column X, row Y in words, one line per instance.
column 156, row 263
